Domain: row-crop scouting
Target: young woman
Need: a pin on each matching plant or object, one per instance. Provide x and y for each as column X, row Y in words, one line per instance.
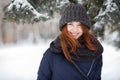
column 75, row 54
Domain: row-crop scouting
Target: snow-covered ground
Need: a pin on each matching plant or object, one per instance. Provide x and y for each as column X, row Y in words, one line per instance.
column 21, row 62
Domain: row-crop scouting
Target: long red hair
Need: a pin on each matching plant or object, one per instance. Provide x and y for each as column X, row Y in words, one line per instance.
column 66, row 39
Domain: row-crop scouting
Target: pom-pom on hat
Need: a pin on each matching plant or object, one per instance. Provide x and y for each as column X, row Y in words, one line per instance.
column 74, row 12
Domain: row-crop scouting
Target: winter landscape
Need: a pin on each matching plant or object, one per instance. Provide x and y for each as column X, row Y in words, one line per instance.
column 23, row 41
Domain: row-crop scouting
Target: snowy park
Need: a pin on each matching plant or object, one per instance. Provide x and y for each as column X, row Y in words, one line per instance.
column 23, row 45
column 21, row 62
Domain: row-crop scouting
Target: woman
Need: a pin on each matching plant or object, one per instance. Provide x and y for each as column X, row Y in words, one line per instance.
column 73, row 50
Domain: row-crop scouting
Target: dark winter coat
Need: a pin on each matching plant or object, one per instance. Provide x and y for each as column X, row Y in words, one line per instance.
column 54, row 65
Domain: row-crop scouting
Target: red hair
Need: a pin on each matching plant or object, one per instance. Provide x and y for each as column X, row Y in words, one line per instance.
column 66, row 39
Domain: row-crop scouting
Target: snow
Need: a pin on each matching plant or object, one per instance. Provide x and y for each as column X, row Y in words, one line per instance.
column 110, row 8
column 21, row 62
column 110, row 39
column 111, row 63
column 61, row 3
column 25, row 4
column 99, row 24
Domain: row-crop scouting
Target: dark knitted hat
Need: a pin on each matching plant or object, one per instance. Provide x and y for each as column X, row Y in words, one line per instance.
column 74, row 12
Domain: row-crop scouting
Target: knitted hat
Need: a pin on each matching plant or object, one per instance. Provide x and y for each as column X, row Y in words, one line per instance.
column 74, row 12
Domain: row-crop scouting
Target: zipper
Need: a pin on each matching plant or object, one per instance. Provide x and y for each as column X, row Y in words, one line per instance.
column 90, row 68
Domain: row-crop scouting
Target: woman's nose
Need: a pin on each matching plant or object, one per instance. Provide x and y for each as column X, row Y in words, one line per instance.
column 75, row 28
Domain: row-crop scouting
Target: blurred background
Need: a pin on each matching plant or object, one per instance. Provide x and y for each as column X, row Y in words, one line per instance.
column 28, row 26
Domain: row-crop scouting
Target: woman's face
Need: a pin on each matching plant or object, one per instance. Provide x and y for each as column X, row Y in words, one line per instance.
column 75, row 29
